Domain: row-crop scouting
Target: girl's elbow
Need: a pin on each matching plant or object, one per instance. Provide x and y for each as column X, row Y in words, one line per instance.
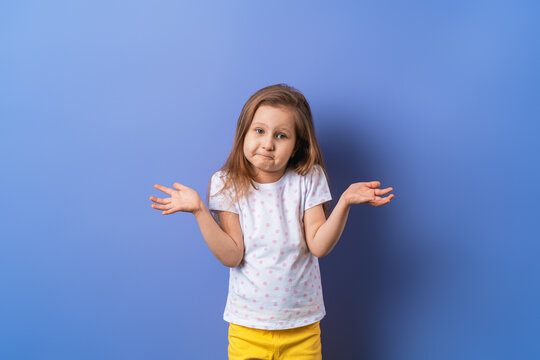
column 232, row 263
column 318, row 253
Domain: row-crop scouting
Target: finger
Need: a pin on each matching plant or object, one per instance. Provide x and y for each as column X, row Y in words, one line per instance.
column 379, row 201
column 388, row 198
column 373, row 184
column 385, row 191
column 161, row 207
column 178, row 186
column 384, row 201
column 165, row 189
column 160, row 200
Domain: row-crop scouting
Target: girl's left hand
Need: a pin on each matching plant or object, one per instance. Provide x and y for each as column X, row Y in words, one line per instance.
column 366, row 192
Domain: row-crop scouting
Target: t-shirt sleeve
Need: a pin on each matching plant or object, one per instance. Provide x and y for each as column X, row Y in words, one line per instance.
column 221, row 201
column 317, row 189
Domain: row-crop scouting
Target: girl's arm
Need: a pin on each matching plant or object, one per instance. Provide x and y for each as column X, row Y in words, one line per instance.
column 323, row 234
column 226, row 244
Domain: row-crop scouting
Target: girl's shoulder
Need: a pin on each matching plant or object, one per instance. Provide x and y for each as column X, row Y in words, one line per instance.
column 218, row 176
column 217, row 181
column 315, row 175
column 315, row 168
column 315, row 171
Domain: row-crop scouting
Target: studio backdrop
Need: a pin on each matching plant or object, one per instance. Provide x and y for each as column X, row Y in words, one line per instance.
column 100, row 100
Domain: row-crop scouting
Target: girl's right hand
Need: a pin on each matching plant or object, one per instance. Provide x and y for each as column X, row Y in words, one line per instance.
column 185, row 199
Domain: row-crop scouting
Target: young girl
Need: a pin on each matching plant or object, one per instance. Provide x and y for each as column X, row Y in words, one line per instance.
column 267, row 220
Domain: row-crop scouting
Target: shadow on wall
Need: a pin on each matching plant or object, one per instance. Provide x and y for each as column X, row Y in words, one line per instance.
column 372, row 277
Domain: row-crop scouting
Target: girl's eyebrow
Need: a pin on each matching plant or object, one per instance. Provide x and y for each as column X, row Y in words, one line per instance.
column 264, row 125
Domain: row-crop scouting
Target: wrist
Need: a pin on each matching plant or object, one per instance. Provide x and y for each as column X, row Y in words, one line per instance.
column 344, row 199
column 200, row 209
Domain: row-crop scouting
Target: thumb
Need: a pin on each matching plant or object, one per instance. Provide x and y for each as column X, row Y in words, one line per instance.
column 178, row 186
column 374, row 184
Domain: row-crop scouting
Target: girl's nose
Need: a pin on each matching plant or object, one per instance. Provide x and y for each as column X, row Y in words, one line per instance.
column 268, row 143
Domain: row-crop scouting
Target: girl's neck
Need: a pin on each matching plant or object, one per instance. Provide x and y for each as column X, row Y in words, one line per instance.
column 268, row 177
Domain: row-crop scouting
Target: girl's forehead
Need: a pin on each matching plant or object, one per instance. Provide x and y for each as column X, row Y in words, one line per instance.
column 276, row 117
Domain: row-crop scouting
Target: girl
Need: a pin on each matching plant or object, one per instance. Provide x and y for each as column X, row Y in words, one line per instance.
column 267, row 220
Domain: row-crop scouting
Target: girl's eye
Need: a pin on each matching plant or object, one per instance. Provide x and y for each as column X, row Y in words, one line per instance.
column 261, row 131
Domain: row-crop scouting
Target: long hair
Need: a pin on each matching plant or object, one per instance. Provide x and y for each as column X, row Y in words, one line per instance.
column 307, row 153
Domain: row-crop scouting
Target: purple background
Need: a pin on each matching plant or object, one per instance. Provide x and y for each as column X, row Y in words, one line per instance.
column 100, row 100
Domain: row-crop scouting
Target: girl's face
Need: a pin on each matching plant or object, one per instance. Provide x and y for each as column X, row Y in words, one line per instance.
column 269, row 142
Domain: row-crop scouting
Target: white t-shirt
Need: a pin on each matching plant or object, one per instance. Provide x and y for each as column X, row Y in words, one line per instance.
column 278, row 283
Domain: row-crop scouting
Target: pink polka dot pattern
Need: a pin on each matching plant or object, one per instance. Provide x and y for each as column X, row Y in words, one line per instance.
column 278, row 283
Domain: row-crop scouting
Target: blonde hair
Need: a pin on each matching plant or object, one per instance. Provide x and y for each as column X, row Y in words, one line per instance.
column 307, row 153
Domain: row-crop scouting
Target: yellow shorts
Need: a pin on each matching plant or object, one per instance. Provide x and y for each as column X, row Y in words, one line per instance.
column 302, row 343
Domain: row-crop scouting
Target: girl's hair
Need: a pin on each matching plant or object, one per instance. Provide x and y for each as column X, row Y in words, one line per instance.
column 307, row 153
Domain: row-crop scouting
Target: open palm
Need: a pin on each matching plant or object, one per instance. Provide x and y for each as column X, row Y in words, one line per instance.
column 366, row 193
column 183, row 199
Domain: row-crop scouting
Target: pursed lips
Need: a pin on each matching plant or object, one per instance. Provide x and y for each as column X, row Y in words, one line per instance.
column 266, row 156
